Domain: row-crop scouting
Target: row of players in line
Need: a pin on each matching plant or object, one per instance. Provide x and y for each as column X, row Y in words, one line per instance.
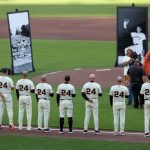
column 65, row 91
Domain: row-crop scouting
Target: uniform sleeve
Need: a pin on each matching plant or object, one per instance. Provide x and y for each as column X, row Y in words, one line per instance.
column 127, row 91
column 11, row 83
column 73, row 90
column 83, row 89
column 111, row 91
column 142, row 90
column 124, row 59
column 51, row 89
column 17, row 85
column 36, row 89
column 32, row 86
column 99, row 89
column 58, row 90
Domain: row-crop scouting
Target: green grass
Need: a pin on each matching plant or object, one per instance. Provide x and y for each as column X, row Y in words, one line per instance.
column 40, row 143
column 64, row 10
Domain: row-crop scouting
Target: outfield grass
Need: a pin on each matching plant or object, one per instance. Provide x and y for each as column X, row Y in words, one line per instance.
column 63, row 55
column 40, row 143
column 65, row 10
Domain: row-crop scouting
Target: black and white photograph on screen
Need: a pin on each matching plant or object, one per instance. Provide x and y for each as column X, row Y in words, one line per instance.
column 20, row 41
column 132, row 32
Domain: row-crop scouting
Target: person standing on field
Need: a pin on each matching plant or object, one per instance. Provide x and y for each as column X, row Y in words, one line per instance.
column 65, row 92
column 145, row 91
column 6, row 86
column 43, row 93
column 117, row 94
column 90, row 92
column 24, row 88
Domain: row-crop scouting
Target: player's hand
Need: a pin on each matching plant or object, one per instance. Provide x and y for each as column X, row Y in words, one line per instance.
column 90, row 100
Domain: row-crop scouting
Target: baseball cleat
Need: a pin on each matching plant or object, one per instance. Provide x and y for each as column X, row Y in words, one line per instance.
column 85, row 132
column 11, row 127
column 47, row 130
column 116, row 133
column 0, row 126
column 146, row 135
column 39, row 129
column 97, row 132
column 29, row 128
column 20, row 128
column 61, row 132
column 70, row 132
column 122, row 134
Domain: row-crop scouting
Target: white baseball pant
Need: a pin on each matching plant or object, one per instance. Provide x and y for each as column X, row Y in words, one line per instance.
column 89, row 108
column 65, row 105
column 9, row 105
column 43, row 108
column 146, row 115
column 119, row 109
column 25, row 102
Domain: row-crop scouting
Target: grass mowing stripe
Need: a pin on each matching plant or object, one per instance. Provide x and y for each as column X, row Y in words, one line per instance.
column 40, row 143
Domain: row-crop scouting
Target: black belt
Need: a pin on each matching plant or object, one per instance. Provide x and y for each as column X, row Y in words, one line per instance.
column 65, row 99
column 24, row 95
column 43, row 98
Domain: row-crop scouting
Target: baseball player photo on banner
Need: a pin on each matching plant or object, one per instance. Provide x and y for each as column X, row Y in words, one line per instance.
column 132, row 32
column 20, row 41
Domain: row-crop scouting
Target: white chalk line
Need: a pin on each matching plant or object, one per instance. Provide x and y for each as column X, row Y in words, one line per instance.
column 89, row 131
column 78, row 69
column 103, row 70
column 54, row 72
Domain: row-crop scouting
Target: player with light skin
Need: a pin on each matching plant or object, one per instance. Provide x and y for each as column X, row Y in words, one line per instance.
column 24, row 88
column 65, row 92
column 43, row 93
column 6, row 86
column 118, row 93
column 145, row 91
column 90, row 92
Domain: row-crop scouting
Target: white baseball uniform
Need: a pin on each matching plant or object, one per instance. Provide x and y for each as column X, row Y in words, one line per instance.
column 126, row 59
column 43, row 91
column 24, row 86
column 92, row 90
column 65, row 91
column 145, row 90
column 119, row 106
column 6, row 84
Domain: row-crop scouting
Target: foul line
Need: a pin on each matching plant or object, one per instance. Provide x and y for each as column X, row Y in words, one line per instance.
column 103, row 70
column 54, row 72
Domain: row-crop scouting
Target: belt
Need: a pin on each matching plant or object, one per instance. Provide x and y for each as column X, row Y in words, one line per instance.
column 65, row 99
column 43, row 98
column 24, row 95
column 147, row 99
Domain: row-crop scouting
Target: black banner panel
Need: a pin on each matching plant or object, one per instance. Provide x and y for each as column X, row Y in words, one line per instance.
column 20, row 41
column 132, row 31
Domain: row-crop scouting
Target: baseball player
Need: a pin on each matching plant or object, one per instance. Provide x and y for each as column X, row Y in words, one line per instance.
column 43, row 93
column 6, row 85
column 118, row 93
column 90, row 92
column 145, row 91
column 65, row 92
column 24, row 88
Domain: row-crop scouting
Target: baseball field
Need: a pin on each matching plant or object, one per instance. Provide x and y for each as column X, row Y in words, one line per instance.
column 65, row 37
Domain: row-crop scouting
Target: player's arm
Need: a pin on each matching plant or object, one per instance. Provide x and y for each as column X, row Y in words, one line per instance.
column 73, row 92
column 51, row 94
column 111, row 96
column 111, row 100
column 58, row 98
column 17, row 90
column 99, row 91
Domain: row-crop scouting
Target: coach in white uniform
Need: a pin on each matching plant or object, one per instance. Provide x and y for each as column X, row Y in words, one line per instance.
column 43, row 93
column 6, row 85
column 90, row 92
column 145, row 90
column 65, row 92
column 24, row 88
column 118, row 93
